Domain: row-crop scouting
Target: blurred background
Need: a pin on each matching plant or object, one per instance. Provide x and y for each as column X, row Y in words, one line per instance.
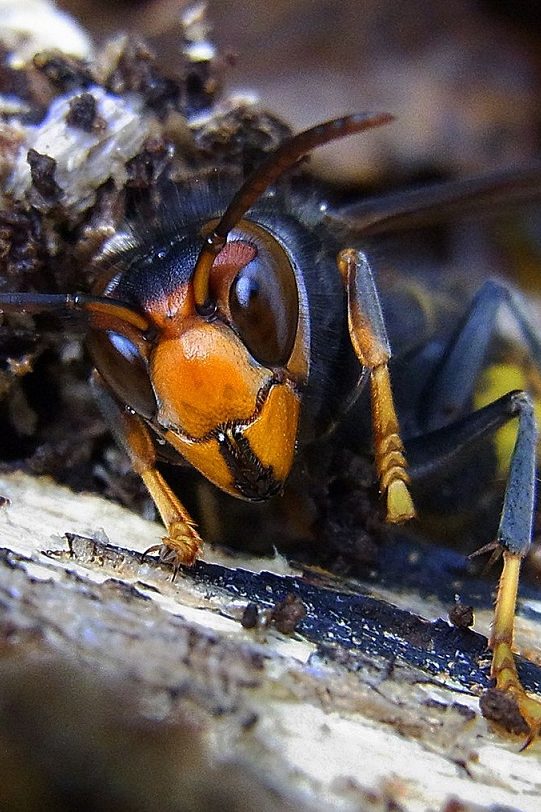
column 462, row 77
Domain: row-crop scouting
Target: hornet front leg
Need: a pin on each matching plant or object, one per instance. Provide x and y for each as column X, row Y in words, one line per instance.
column 371, row 345
column 182, row 544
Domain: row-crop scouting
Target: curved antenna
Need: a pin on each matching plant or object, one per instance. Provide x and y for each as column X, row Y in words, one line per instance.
column 285, row 156
column 111, row 311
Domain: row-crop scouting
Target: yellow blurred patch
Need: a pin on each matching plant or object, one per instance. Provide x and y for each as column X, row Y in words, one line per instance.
column 497, row 380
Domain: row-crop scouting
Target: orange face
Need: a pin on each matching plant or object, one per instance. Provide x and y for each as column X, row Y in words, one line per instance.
column 232, row 417
column 233, row 421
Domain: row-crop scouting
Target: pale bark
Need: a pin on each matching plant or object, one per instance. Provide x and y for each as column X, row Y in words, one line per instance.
column 349, row 730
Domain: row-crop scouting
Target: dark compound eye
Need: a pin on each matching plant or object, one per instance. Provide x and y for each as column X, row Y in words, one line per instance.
column 264, row 307
column 124, row 369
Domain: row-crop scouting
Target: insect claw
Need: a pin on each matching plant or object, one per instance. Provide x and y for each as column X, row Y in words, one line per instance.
column 530, row 710
column 529, row 740
column 153, row 549
column 177, row 549
column 495, row 549
column 175, row 569
column 491, row 547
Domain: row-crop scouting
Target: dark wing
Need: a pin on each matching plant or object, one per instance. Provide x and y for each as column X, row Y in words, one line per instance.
column 439, row 202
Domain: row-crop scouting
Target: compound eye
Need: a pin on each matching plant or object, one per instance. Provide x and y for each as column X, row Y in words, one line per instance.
column 124, row 369
column 263, row 303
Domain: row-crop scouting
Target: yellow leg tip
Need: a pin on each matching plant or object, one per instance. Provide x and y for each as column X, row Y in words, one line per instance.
column 399, row 503
column 508, row 704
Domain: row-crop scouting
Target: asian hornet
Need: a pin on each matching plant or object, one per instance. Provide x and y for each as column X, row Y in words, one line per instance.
column 236, row 335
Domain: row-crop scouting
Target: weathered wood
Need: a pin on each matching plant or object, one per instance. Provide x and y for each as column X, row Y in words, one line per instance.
column 365, row 705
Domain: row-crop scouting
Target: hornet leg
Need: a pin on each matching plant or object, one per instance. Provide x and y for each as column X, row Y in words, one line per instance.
column 514, row 534
column 448, row 397
column 436, row 452
column 182, row 543
column 371, row 345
